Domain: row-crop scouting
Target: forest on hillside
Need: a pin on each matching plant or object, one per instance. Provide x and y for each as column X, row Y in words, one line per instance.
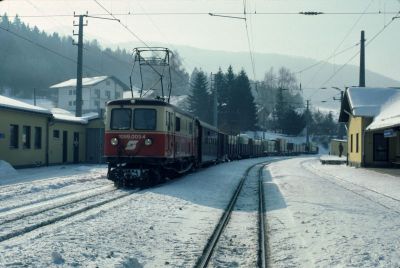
column 31, row 58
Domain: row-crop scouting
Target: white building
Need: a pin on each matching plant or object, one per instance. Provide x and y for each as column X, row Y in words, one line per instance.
column 96, row 91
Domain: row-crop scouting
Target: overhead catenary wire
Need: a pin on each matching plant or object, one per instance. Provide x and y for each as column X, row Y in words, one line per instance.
column 213, row 13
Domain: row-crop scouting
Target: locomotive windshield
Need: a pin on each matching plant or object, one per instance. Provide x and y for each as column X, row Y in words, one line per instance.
column 121, row 118
column 144, row 119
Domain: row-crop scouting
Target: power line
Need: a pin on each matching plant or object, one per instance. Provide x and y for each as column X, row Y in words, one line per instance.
column 324, row 62
column 125, row 26
column 248, row 41
column 358, row 52
column 46, row 48
column 326, row 59
column 354, row 25
column 340, row 44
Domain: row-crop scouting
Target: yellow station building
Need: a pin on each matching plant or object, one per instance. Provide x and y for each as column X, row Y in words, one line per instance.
column 35, row 136
column 372, row 117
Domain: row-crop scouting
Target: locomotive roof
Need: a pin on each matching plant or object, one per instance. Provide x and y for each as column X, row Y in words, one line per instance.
column 151, row 102
column 155, row 102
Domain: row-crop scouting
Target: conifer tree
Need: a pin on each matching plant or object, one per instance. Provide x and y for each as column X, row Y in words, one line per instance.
column 243, row 101
column 199, row 98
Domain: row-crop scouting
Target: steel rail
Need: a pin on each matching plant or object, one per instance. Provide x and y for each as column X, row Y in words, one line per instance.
column 18, row 216
column 49, row 221
column 262, row 238
column 204, row 259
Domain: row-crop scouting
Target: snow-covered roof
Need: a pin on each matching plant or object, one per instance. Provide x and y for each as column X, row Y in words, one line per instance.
column 63, row 115
column 70, row 118
column 19, row 105
column 87, row 81
column 389, row 115
column 365, row 101
column 128, row 94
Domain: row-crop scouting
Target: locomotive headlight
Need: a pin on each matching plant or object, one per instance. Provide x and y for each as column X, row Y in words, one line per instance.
column 114, row 141
column 148, row 142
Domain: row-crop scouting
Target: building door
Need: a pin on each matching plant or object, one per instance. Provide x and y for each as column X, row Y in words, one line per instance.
column 76, row 147
column 380, row 147
column 95, row 145
column 65, row 147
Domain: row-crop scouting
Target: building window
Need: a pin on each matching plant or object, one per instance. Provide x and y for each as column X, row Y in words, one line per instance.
column 14, row 136
column 177, row 124
column 38, row 138
column 108, row 94
column 357, row 143
column 70, row 92
column 351, row 143
column 70, row 103
column 107, row 82
column 97, row 103
column 117, row 95
column 97, row 93
column 190, row 128
column 56, row 134
column 74, row 103
column 26, row 137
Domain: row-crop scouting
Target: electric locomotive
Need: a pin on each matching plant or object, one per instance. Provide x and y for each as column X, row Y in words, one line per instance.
column 146, row 140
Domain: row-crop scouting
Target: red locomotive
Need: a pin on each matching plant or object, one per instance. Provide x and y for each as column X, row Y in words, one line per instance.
column 148, row 139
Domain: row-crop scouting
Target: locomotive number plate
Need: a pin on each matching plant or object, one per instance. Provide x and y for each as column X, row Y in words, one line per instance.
column 132, row 136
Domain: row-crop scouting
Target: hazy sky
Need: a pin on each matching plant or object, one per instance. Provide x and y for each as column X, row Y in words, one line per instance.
column 314, row 37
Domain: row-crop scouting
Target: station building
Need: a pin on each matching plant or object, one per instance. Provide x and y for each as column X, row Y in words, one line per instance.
column 96, row 91
column 372, row 117
column 35, row 136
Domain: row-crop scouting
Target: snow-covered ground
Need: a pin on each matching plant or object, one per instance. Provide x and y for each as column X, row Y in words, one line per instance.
column 317, row 216
column 332, row 216
column 166, row 225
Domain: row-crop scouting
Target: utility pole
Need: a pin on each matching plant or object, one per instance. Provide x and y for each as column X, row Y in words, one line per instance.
column 78, row 99
column 362, row 60
column 341, row 125
column 307, row 126
column 215, row 99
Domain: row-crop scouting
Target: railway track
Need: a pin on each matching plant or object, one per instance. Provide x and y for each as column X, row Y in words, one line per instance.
column 24, row 187
column 21, row 224
column 214, row 240
column 348, row 185
column 10, row 208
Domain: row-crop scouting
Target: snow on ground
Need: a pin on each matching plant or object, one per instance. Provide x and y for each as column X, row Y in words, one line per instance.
column 317, row 216
column 6, row 169
column 162, row 226
column 331, row 216
column 238, row 245
column 12, row 176
column 332, row 157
